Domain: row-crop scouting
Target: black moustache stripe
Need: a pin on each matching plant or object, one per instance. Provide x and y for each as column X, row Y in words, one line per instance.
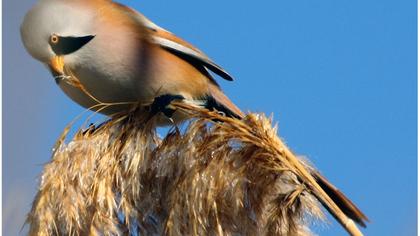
column 67, row 45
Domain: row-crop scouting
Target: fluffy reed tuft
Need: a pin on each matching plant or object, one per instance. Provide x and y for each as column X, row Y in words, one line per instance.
column 219, row 176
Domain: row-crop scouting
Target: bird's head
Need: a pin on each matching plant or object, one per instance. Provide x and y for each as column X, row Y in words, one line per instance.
column 55, row 31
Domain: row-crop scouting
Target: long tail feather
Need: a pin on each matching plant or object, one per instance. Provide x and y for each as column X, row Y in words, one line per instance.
column 341, row 200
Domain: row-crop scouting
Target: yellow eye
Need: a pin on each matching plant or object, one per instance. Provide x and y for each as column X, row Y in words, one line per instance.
column 54, row 39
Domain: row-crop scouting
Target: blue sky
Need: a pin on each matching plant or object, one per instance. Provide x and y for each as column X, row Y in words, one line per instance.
column 340, row 78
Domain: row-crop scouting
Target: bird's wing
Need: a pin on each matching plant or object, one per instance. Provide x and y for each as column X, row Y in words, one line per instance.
column 166, row 41
column 179, row 47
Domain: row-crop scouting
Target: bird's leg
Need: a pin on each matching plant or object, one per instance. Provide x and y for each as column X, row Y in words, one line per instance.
column 161, row 104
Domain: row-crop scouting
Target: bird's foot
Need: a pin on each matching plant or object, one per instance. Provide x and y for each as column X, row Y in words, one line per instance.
column 162, row 104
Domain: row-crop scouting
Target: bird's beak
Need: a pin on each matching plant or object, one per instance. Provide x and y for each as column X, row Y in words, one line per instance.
column 57, row 65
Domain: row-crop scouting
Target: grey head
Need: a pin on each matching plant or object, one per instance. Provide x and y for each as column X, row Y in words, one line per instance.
column 57, row 28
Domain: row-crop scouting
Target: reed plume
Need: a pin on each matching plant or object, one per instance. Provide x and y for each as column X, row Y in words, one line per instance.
column 215, row 176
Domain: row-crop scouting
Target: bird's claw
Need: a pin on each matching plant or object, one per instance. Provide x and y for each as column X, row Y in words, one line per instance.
column 162, row 104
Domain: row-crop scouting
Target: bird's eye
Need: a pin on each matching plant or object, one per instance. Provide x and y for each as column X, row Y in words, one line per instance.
column 54, row 39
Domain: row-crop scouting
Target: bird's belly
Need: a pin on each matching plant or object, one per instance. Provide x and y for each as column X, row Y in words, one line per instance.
column 89, row 101
column 110, row 95
column 104, row 93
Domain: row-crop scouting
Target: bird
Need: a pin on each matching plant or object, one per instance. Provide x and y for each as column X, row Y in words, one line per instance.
column 106, row 57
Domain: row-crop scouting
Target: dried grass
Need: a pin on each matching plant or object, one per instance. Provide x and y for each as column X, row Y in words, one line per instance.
column 231, row 177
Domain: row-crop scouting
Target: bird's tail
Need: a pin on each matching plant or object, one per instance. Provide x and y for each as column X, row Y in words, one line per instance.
column 348, row 208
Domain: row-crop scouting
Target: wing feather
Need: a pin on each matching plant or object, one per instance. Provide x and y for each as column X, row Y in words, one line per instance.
column 191, row 54
column 174, row 44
